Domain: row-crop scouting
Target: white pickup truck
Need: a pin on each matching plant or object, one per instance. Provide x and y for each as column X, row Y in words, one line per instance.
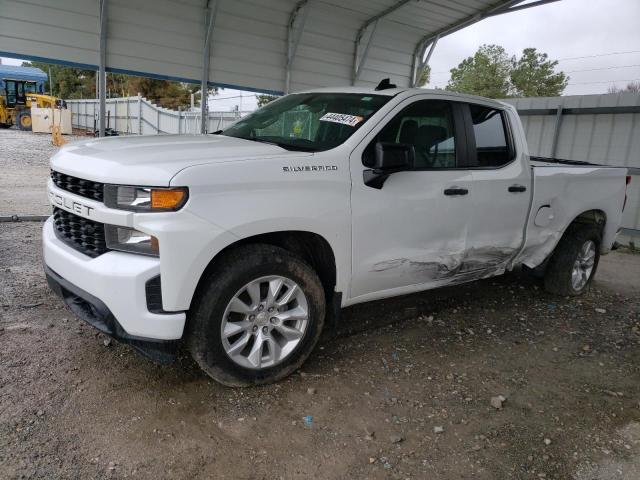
column 241, row 243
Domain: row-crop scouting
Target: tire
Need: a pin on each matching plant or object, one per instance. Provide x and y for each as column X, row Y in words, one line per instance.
column 24, row 121
column 210, row 313
column 559, row 274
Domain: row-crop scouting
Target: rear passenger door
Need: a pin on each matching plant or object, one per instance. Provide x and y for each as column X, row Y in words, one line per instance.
column 501, row 188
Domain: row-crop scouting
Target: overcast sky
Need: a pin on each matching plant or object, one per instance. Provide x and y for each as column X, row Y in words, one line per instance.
column 566, row 29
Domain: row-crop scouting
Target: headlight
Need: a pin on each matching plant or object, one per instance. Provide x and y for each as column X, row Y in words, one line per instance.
column 145, row 199
column 127, row 239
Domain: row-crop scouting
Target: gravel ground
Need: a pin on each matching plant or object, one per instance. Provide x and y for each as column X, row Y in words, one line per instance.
column 24, row 163
column 405, row 390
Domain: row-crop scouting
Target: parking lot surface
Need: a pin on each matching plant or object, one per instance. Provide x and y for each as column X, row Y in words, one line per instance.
column 24, row 163
column 406, row 389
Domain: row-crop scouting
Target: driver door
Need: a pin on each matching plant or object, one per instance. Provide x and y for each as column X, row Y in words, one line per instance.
column 411, row 234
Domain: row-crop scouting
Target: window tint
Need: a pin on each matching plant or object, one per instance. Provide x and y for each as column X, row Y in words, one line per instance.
column 428, row 126
column 491, row 140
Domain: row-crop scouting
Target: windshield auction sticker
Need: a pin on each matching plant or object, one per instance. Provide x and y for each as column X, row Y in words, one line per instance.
column 351, row 120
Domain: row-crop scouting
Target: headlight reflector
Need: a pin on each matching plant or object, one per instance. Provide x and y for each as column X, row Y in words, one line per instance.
column 145, row 199
column 127, row 239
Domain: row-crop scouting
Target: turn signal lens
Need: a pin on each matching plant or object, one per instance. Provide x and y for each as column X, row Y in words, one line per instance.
column 167, row 199
column 145, row 199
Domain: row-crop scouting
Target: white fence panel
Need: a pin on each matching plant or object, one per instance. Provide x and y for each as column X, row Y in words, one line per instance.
column 137, row 115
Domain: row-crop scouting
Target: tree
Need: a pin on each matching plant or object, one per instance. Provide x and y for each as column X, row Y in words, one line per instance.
column 485, row 74
column 633, row 87
column 263, row 99
column 492, row 73
column 424, row 77
column 533, row 75
column 70, row 83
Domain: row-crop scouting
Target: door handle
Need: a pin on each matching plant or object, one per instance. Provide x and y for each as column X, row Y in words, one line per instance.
column 517, row 188
column 456, row 191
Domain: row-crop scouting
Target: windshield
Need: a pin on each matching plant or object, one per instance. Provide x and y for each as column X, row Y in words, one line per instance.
column 308, row 121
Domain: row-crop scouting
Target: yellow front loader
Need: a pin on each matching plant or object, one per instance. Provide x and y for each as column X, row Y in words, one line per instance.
column 17, row 99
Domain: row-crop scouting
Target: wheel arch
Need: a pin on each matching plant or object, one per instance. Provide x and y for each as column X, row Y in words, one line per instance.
column 312, row 247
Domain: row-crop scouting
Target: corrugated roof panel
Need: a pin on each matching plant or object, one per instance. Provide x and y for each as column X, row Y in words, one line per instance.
column 164, row 38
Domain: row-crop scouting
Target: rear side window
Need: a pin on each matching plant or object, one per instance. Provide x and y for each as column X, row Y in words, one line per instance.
column 490, row 135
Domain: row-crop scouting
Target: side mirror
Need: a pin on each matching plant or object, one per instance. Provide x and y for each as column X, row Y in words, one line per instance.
column 394, row 156
column 389, row 158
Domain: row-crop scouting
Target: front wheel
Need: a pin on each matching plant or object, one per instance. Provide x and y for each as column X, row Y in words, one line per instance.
column 574, row 262
column 256, row 317
column 24, row 121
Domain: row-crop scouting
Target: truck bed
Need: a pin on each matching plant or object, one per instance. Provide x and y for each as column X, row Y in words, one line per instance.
column 563, row 190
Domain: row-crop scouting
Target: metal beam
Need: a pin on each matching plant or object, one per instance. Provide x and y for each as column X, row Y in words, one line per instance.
column 358, row 62
column 581, row 110
column 209, row 21
column 525, row 6
column 501, row 8
column 102, row 68
column 293, row 38
column 556, row 132
column 420, row 63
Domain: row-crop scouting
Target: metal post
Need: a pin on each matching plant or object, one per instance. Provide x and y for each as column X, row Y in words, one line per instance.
column 139, row 114
column 556, row 132
column 210, row 15
column 358, row 64
column 157, row 119
column 179, row 120
column 293, row 39
column 102, row 73
column 420, row 63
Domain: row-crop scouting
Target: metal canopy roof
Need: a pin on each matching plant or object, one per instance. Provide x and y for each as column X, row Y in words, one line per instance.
column 271, row 46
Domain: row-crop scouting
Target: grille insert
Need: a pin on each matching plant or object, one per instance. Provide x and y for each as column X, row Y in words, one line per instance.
column 79, row 233
column 79, row 186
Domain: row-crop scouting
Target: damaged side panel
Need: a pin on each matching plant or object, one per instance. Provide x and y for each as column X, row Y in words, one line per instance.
column 452, row 267
column 561, row 195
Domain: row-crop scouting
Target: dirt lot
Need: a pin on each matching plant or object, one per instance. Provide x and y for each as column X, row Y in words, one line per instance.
column 404, row 391
column 24, row 163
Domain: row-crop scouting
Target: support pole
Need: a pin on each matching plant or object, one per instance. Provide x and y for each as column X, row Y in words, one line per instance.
column 556, row 132
column 210, row 15
column 359, row 63
column 102, row 72
column 293, row 39
column 420, row 63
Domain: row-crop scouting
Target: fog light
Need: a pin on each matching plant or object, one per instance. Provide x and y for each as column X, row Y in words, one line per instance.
column 125, row 239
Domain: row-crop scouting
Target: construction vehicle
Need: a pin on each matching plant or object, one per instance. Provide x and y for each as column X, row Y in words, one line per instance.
column 18, row 96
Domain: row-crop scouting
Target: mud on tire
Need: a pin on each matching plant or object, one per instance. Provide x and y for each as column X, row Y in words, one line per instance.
column 233, row 270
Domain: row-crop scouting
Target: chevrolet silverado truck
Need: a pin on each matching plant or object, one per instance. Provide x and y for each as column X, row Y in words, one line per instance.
column 240, row 245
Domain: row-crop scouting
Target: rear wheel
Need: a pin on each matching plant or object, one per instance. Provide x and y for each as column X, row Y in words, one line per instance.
column 574, row 262
column 24, row 121
column 257, row 317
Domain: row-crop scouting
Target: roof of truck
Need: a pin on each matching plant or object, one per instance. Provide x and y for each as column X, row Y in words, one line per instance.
column 407, row 92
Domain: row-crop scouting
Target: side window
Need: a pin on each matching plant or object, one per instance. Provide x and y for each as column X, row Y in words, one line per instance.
column 490, row 134
column 427, row 125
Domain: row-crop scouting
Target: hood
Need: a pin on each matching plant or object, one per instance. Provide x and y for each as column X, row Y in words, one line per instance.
column 155, row 159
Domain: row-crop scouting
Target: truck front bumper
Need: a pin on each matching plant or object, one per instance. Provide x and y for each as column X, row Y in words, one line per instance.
column 112, row 295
